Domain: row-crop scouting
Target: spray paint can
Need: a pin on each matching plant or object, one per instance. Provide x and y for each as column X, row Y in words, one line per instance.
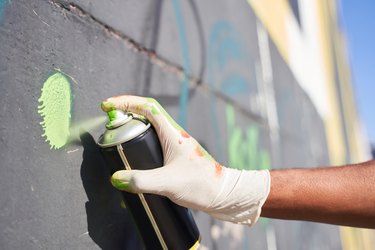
column 131, row 142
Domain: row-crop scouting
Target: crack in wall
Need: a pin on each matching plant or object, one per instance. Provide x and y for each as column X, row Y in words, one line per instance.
column 129, row 42
column 156, row 59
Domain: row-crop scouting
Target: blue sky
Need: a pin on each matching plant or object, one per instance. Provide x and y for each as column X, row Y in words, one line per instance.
column 358, row 19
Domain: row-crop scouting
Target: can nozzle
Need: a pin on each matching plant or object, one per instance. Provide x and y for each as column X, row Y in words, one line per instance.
column 116, row 118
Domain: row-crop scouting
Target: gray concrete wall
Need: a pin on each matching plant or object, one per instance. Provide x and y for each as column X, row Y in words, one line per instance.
column 201, row 59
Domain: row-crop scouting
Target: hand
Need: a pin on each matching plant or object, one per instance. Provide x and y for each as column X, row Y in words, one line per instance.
column 190, row 176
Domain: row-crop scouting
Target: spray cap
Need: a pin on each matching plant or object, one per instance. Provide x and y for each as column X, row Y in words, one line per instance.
column 116, row 118
column 123, row 130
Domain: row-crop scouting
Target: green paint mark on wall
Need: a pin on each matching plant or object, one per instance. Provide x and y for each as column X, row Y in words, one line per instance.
column 243, row 146
column 54, row 108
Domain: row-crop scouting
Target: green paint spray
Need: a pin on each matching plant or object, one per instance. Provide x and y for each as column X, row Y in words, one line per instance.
column 55, row 107
column 79, row 127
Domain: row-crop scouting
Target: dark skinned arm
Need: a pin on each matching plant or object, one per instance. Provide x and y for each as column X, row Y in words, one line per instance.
column 336, row 195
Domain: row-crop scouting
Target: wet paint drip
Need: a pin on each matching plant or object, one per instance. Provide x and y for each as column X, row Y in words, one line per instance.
column 55, row 108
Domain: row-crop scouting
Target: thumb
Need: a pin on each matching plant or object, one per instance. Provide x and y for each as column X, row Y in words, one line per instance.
column 140, row 181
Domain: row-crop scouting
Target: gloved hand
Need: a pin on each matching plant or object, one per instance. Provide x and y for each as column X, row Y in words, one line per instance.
column 190, row 176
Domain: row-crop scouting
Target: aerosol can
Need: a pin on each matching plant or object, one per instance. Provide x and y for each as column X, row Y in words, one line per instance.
column 130, row 142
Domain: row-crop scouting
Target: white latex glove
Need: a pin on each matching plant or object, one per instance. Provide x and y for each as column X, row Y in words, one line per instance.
column 190, row 177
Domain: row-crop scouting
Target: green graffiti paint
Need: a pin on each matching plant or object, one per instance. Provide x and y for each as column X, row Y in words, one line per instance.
column 243, row 146
column 55, row 107
column 252, row 134
column 265, row 222
column 265, row 161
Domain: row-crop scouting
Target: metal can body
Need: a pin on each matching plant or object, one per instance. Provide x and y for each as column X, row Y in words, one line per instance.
column 161, row 223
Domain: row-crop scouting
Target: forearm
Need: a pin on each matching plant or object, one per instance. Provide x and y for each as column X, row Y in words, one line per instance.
column 336, row 195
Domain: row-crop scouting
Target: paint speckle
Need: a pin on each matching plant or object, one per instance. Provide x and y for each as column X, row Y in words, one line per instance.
column 54, row 108
column 199, row 151
column 218, row 169
column 184, row 134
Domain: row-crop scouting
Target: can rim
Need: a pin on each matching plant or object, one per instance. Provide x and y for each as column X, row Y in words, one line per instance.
column 127, row 138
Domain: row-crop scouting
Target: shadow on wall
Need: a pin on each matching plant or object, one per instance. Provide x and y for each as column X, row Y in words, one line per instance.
column 109, row 225
column 373, row 151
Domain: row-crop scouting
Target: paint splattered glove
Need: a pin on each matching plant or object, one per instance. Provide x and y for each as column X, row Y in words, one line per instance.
column 190, row 177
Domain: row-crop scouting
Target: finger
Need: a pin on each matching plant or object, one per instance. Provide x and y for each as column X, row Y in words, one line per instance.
column 147, row 107
column 140, row 181
column 144, row 106
column 124, row 102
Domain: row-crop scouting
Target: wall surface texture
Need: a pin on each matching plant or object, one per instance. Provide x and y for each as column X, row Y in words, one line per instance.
column 212, row 64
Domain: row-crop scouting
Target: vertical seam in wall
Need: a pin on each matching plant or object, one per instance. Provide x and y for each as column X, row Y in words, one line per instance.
column 185, row 63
